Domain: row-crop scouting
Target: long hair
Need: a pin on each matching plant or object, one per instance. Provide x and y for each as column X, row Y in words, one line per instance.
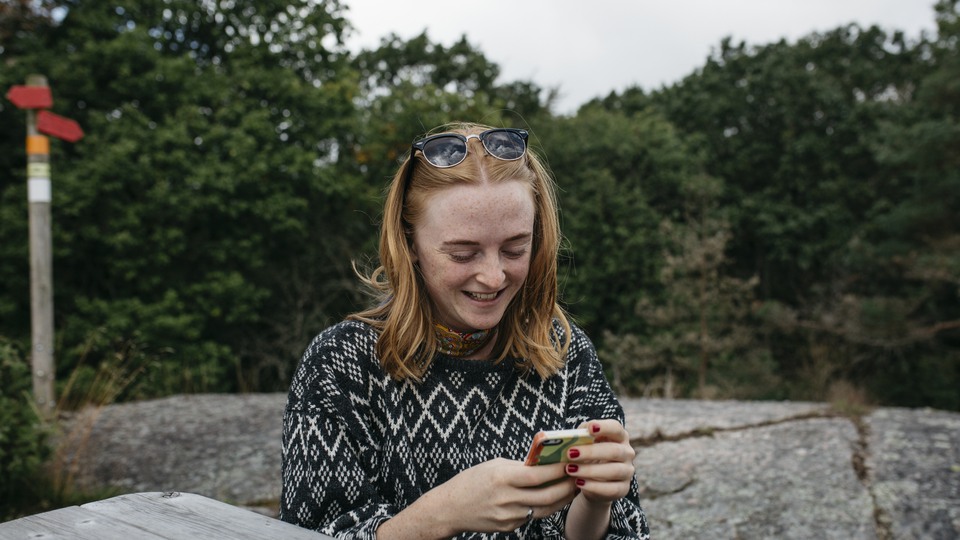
column 403, row 313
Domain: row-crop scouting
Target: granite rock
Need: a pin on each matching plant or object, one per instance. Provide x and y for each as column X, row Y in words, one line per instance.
column 223, row 446
column 707, row 469
column 915, row 471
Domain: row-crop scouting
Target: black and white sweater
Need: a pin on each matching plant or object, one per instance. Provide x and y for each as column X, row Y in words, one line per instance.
column 358, row 447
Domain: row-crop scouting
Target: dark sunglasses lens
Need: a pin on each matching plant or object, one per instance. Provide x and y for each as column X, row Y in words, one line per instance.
column 506, row 145
column 445, row 151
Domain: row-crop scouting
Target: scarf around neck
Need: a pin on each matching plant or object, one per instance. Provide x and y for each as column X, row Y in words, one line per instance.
column 459, row 344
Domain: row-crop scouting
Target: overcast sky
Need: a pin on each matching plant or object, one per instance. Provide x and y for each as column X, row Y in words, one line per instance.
column 588, row 48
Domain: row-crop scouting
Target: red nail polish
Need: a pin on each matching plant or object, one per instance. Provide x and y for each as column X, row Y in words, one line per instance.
column 572, row 468
column 581, row 482
column 595, row 428
column 574, row 453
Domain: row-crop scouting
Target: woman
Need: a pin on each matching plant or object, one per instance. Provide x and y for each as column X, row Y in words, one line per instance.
column 411, row 419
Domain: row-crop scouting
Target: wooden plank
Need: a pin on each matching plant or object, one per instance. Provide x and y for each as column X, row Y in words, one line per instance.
column 186, row 515
column 72, row 522
column 153, row 516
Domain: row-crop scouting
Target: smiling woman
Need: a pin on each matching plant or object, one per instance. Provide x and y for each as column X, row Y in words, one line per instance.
column 412, row 418
column 423, row 205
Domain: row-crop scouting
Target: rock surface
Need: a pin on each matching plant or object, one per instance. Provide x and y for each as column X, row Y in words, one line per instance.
column 707, row 469
column 223, row 446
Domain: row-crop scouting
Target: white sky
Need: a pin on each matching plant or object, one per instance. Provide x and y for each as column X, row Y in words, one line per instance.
column 588, row 48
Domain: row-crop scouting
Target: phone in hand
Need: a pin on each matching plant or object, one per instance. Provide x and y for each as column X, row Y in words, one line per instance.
column 551, row 446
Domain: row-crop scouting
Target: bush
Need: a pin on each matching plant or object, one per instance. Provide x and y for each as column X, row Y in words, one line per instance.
column 23, row 447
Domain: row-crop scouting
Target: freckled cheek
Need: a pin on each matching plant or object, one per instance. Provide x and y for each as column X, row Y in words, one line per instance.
column 518, row 269
column 449, row 278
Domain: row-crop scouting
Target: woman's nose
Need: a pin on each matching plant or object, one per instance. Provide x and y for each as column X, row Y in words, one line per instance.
column 491, row 272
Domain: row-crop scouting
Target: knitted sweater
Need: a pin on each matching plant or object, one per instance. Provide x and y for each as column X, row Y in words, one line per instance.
column 358, row 446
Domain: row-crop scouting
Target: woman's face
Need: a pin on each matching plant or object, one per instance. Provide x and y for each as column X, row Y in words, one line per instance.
column 473, row 249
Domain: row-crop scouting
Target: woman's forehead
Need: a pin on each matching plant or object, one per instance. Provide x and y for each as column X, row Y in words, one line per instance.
column 478, row 210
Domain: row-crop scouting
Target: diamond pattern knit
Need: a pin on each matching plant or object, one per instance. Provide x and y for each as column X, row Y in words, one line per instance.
column 358, row 447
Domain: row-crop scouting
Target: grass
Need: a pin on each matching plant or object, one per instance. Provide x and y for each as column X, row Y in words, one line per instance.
column 66, row 431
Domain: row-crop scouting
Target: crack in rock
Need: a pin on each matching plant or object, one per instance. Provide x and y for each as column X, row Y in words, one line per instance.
column 658, row 436
column 725, row 472
column 859, row 460
column 651, row 493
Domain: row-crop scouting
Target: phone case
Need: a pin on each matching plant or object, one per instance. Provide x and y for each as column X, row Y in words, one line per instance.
column 551, row 446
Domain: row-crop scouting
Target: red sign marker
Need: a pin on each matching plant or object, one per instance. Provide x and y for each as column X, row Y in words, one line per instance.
column 30, row 97
column 57, row 126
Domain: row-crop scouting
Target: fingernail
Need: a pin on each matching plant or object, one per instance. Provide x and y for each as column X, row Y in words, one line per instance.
column 581, row 482
column 595, row 428
column 572, row 468
column 574, row 453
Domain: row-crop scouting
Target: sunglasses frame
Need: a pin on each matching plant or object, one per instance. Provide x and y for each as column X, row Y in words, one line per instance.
column 419, row 145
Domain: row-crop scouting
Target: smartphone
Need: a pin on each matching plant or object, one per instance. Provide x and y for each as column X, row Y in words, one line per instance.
column 551, row 446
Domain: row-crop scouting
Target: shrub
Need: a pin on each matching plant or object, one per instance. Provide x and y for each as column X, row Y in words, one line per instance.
column 23, row 447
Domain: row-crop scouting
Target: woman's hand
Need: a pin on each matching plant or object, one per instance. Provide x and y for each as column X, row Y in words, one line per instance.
column 602, row 472
column 490, row 497
column 604, row 469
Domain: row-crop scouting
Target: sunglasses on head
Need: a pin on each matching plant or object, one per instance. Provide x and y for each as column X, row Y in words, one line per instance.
column 450, row 149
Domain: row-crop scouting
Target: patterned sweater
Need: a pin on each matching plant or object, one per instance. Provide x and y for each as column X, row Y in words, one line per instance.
column 358, row 447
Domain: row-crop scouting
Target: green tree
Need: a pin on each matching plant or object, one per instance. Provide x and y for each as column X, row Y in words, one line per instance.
column 617, row 177
column 20, row 21
column 782, row 125
column 838, row 156
column 893, row 303
column 203, row 228
column 702, row 339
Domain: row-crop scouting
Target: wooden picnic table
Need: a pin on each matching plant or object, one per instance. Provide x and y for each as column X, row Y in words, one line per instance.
column 153, row 516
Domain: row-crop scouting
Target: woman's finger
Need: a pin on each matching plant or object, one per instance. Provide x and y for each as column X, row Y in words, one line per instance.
column 606, row 430
column 604, row 472
column 602, row 452
column 596, row 490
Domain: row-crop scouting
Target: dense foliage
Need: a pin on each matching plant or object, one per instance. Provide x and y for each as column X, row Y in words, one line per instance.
column 22, row 439
column 778, row 223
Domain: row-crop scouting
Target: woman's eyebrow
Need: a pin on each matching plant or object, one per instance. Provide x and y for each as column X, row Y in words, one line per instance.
column 457, row 243
column 521, row 236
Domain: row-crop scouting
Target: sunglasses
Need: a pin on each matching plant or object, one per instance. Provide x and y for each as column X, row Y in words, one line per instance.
column 450, row 149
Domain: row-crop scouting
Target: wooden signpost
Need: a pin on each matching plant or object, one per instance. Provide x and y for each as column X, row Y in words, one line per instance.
column 32, row 98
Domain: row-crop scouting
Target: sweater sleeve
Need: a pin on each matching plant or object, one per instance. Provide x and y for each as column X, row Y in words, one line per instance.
column 591, row 398
column 327, row 483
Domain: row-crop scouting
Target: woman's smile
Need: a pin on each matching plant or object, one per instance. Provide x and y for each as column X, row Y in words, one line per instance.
column 482, row 297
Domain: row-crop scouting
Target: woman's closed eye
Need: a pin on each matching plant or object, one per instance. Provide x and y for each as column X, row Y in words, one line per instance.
column 467, row 256
column 514, row 253
column 462, row 257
